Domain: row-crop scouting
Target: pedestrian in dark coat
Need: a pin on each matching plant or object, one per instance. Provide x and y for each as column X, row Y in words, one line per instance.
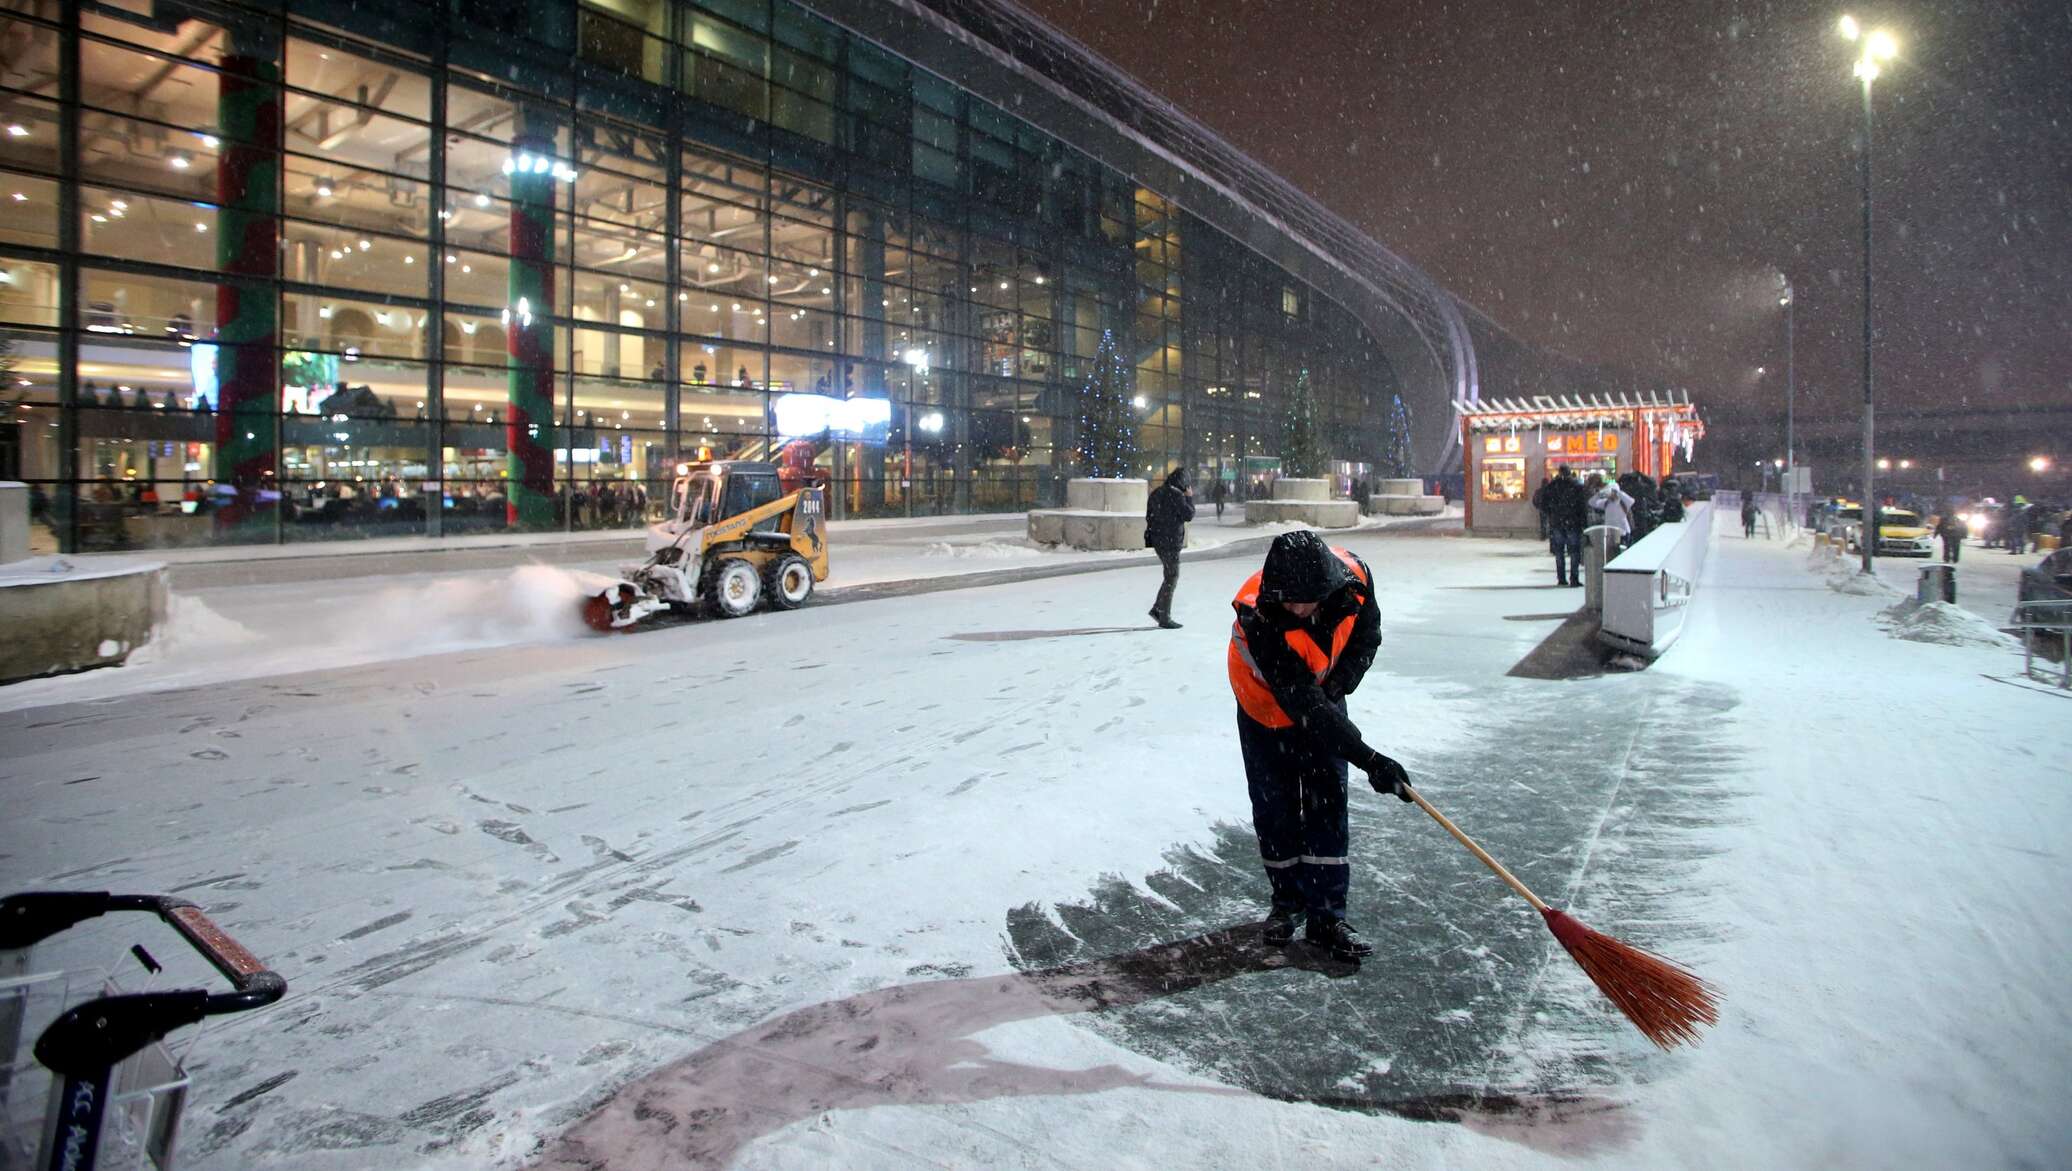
column 1307, row 629
column 1748, row 514
column 1564, row 506
column 1165, row 529
column 1952, row 529
column 1220, row 493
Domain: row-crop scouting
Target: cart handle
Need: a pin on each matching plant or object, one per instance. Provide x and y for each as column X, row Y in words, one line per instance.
column 29, row 918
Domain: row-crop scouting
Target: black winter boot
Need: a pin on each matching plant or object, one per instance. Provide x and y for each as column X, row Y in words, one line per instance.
column 1280, row 928
column 1338, row 937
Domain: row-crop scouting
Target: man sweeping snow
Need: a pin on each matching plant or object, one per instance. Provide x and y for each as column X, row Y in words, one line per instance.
column 1307, row 630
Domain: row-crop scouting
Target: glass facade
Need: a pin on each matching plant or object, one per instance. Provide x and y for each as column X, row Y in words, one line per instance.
column 314, row 271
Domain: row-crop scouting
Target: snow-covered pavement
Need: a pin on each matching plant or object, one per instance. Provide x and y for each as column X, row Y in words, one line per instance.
column 965, row 879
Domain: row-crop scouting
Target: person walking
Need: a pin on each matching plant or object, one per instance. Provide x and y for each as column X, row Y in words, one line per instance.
column 1165, row 529
column 1564, row 508
column 1610, row 502
column 1219, row 494
column 2015, row 519
column 1950, row 527
column 1748, row 515
column 1539, row 503
column 1307, row 629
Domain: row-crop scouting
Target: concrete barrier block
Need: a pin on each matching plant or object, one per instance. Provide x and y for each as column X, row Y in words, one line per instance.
column 1402, row 488
column 1087, row 529
column 1324, row 514
column 1047, row 526
column 1288, row 488
column 56, row 620
column 1090, row 495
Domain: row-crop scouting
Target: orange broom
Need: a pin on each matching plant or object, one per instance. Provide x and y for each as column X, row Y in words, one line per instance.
column 1661, row 999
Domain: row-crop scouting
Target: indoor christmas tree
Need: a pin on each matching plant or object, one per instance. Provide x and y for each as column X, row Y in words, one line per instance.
column 1396, row 458
column 1107, row 418
column 1302, row 438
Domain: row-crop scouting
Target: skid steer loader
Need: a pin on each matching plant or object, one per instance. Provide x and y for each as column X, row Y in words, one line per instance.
column 734, row 541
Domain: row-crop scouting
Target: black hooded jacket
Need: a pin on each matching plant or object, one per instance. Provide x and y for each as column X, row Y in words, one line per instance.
column 1167, row 512
column 1300, row 567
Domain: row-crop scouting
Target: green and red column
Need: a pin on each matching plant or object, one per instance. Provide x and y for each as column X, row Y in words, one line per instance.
column 248, row 114
column 529, row 422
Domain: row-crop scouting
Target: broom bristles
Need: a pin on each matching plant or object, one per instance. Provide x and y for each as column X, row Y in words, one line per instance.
column 1661, row 999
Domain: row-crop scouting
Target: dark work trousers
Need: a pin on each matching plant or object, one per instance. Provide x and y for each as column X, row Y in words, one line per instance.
column 1298, row 811
column 1170, row 560
column 1568, row 553
column 1953, row 548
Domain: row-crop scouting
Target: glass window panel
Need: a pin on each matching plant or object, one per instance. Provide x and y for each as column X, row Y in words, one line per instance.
column 315, row 189
column 612, row 404
column 804, row 329
column 334, row 73
column 132, row 153
column 31, row 61
column 753, row 13
column 611, row 42
column 477, row 278
column 725, row 275
column 129, row 305
column 28, row 211
column 799, row 284
column 36, row 148
column 162, row 88
column 355, row 137
column 354, row 328
column 129, row 224
column 612, row 354
column 795, row 373
column 28, row 296
column 606, row 298
column 715, row 363
column 322, row 254
column 621, row 252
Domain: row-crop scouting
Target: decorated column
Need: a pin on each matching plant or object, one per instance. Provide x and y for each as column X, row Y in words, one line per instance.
column 529, row 335
column 248, row 113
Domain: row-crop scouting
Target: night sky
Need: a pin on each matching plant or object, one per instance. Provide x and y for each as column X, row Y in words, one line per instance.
column 1624, row 181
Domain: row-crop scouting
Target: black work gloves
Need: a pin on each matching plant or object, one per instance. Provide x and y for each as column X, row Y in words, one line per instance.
column 1387, row 776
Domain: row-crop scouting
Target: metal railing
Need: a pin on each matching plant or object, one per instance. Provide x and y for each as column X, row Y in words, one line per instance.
column 2045, row 616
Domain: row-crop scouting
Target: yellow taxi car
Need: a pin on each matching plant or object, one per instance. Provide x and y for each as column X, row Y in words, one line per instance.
column 1901, row 533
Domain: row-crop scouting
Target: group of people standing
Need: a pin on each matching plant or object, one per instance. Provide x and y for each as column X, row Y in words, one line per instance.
column 1632, row 506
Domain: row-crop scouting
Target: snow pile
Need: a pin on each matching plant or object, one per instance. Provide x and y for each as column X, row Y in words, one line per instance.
column 532, row 603
column 1846, row 577
column 191, row 628
column 991, row 549
column 1943, row 624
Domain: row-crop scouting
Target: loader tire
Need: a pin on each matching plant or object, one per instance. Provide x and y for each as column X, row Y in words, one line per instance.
column 789, row 582
column 733, row 589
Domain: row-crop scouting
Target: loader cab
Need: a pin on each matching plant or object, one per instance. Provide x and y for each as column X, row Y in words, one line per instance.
column 705, row 493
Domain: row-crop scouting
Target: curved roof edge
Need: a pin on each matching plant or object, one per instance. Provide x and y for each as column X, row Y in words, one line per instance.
column 1090, row 102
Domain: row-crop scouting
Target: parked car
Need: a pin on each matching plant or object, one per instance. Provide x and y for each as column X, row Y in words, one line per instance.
column 1901, row 533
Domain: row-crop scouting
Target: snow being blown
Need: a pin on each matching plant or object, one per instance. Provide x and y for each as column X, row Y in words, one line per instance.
column 532, row 603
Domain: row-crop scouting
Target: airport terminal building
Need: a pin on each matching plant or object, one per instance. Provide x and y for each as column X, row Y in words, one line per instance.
column 307, row 271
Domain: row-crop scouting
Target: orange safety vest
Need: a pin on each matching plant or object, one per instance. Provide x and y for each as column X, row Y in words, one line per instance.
column 1253, row 695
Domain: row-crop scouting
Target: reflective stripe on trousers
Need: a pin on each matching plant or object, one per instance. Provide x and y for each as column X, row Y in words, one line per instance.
column 1299, row 813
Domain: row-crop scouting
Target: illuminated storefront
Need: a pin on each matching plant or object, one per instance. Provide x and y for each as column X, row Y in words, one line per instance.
column 1513, row 446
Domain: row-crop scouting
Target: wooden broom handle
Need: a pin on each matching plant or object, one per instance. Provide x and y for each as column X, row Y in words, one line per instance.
column 1510, row 879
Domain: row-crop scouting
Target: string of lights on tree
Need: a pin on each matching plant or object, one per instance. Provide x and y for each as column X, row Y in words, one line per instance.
column 1396, row 458
column 1107, row 418
column 1302, row 437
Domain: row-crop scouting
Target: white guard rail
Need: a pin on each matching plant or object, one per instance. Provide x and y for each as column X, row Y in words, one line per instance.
column 1648, row 588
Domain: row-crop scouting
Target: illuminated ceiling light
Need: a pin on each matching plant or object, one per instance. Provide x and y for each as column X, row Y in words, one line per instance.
column 119, row 204
column 17, row 130
column 467, row 268
column 365, row 244
column 481, row 200
column 1138, row 402
column 1847, row 27
column 713, row 267
column 812, row 272
column 651, row 302
column 1003, row 284
column 201, row 227
column 211, row 141
column 451, row 258
column 100, row 219
column 1039, row 280
column 178, row 160
column 409, row 259
column 826, row 289
column 20, row 197
column 683, row 296
column 773, row 280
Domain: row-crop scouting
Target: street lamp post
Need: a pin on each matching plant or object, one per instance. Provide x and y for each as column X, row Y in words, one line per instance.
column 1791, row 399
column 1878, row 45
